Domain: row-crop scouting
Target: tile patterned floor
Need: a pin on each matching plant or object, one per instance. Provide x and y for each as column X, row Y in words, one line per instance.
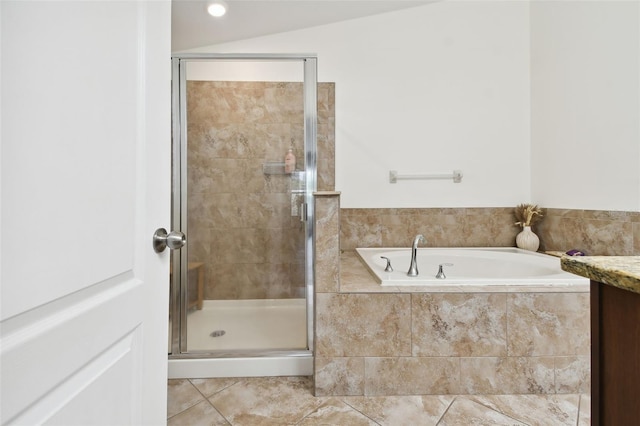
column 289, row 401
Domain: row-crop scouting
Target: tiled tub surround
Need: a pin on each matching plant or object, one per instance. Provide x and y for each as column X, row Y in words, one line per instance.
column 240, row 220
column 372, row 340
column 598, row 232
column 602, row 233
column 442, row 227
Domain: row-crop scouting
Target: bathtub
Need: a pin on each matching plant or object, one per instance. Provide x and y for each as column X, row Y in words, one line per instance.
column 469, row 266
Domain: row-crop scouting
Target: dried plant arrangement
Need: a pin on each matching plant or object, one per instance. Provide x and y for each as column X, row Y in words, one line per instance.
column 527, row 214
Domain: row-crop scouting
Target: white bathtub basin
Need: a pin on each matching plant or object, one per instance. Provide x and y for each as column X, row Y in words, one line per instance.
column 472, row 266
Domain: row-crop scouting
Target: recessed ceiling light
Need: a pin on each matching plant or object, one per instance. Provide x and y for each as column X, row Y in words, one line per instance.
column 217, row 8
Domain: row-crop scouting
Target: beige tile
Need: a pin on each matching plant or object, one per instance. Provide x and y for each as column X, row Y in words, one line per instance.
column 208, row 387
column 584, row 416
column 201, row 414
column 234, row 128
column 458, row 324
column 326, row 153
column 284, row 101
column 608, row 238
column 198, row 245
column 209, row 140
column 279, row 401
column 252, row 281
column 267, row 401
column 239, row 246
column 233, row 210
column 541, row 410
column 466, row 412
column 383, row 327
column 551, row 233
column 356, row 278
column 443, row 227
column 284, row 244
column 336, row 412
column 399, row 230
column 327, row 244
column 339, row 376
column 573, row 374
column 610, row 215
column 448, row 227
column 326, row 101
column 181, row 394
column 491, row 211
column 402, row 410
column 522, row 375
column 360, row 228
column 604, row 233
column 412, row 376
column 548, row 324
column 228, row 102
column 241, row 175
column 598, row 232
column 494, row 229
column 354, row 268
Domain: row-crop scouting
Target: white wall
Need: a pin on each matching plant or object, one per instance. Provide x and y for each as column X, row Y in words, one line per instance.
column 425, row 90
column 585, row 104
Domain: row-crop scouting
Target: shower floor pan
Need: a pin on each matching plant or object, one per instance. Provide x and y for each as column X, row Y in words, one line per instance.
column 269, row 324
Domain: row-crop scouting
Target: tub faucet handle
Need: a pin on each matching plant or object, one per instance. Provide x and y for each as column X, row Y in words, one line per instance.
column 388, row 268
column 440, row 275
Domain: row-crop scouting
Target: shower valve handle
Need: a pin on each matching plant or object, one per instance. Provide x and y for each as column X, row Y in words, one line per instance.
column 174, row 240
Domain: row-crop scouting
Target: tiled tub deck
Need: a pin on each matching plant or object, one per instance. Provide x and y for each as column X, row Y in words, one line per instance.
column 375, row 341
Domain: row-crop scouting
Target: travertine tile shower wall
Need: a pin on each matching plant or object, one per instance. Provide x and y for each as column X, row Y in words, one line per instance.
column 239, row 219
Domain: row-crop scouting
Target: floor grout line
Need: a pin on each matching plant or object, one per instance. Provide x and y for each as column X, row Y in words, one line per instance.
column 191, row 406
column 215, row 393
column 447, row 410
column 359, row 411
column 579, row 405
column 341, row 403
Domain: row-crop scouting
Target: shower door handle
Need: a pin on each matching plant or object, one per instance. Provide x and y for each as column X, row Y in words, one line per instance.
column 174, row 240
column 303, row 212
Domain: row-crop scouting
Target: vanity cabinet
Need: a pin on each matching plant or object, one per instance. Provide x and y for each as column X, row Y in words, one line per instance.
column 615, row 336
column 615, row 355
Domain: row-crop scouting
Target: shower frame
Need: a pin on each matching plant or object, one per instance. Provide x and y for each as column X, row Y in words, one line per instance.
column 302, row 359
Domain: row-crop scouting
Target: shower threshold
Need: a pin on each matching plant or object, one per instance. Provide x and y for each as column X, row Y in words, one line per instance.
column 267, row 366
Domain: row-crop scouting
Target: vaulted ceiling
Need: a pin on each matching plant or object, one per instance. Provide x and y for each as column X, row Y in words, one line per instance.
column 193, row 27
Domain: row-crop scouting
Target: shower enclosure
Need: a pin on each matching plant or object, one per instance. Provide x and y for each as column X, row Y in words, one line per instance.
column 242, row 286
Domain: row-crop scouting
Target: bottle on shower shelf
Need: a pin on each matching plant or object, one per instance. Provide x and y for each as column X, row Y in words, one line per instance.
column 290, row 162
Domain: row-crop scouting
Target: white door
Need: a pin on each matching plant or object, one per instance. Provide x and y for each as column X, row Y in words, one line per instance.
column 85, row 181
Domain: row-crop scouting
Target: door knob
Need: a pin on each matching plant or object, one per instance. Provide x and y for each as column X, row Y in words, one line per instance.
column 161, row 240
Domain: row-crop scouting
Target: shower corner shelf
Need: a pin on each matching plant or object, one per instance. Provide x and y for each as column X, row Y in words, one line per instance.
column 277, row 168
column 273, row 168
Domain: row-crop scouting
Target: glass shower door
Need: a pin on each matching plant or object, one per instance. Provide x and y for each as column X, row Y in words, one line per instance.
column 246, row 274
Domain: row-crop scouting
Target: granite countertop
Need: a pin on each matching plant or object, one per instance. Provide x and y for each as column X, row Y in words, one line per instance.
column 618, row 271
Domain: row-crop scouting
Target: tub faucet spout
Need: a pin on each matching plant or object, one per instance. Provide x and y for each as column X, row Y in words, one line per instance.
column 413, row 268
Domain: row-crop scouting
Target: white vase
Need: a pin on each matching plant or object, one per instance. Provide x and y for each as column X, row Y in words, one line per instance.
column 527, row 239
